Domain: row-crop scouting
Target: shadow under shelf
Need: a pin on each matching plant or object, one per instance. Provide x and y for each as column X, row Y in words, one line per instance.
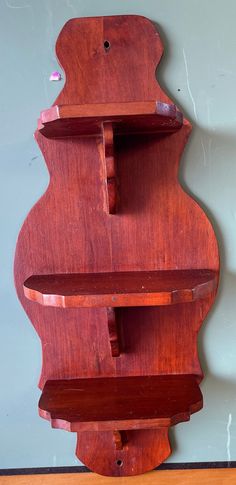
column 120, row 289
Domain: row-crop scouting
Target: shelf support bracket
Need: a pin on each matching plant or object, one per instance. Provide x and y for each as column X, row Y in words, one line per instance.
column 113, row 330
column 108, row 144
column 120, row 439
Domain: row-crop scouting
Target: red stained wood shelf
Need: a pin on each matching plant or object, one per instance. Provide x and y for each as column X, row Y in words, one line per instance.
column 130, row 117
column 138, row 288
column 114, row 201
column 120, row 403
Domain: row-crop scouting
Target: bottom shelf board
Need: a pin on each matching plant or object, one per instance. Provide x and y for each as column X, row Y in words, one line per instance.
column 121, row 288
column 120, row 403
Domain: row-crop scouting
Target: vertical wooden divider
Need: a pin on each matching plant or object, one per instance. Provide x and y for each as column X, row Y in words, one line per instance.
column 108, row 142
column 114, row 332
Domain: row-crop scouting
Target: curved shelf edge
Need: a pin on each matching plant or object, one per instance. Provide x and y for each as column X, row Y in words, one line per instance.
column 121, row 289
column 162, row 401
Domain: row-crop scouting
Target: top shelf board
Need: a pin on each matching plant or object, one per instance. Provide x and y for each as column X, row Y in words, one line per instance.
column 87, row 119
column 137, row 288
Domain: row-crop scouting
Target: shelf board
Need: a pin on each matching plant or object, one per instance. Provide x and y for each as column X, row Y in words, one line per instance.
column 131, row 117
column 138, row 288
column 122, row 403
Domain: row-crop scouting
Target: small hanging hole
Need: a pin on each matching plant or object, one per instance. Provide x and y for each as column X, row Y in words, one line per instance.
column 119, row 462
column 107, row 45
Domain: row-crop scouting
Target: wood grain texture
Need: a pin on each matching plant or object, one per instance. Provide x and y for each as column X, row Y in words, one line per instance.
column 120, row 403
column 131, row 117
column 120, row 289
column 128, row 461
column 157, row 227
column 221, row 476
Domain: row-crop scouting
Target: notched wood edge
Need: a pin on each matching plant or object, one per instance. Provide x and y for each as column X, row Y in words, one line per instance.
column 161, row 298
column 124, row 424
column 98, row 113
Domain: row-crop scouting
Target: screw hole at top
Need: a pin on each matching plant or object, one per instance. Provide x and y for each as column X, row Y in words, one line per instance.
column 119, row 462
column 107, row 45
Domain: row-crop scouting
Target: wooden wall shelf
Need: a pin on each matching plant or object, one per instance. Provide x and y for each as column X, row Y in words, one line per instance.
column 138, row 288
column 126, row 118
column 132, row 259
column 120, row 403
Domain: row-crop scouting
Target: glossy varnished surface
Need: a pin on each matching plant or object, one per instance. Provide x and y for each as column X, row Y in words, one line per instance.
column 137, row 288
column 123, row 403
column 157, row 227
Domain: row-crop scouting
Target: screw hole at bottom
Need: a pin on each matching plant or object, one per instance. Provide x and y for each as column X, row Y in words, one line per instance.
column 119, row 462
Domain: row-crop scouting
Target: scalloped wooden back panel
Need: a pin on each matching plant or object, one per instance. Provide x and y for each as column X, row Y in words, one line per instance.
column 116, row 266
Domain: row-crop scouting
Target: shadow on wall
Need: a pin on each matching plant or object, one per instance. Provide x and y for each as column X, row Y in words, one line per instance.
column 208, row 163
column 220, row 165
column 217, row 167
column 217, row 336
column 219, row 392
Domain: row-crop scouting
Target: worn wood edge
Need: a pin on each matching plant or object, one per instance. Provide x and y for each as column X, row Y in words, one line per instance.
column 97, row 110
column 207, row 476
column 161, row 118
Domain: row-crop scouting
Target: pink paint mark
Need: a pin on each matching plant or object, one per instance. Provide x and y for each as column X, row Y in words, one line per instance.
column 55, row 76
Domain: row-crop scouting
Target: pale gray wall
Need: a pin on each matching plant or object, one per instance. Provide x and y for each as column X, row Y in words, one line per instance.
column 199, row 72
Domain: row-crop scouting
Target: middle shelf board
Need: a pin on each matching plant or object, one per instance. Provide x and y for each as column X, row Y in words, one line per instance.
column 131, row 117
column 120, row 403
column 117, row 289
